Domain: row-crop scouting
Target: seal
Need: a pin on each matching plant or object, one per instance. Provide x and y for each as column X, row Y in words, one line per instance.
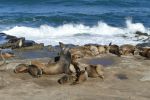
column 102, row 49
column 95, row 71
column 93, row 49
column 127, row 49
column 61, row 66
column 114, row 49
column 145, row 52
column 67, row 79
column 82, row 76
column 92, row 70
column 21, row 68
column 34, row 71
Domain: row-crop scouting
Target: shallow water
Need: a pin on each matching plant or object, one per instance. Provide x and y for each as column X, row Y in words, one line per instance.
column 105, row 61
column 30, row 54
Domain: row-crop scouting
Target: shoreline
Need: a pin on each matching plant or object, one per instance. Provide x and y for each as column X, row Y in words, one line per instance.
column 119, row 82
column 126, row 77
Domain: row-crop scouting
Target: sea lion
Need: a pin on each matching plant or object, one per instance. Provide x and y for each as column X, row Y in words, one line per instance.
column 61, row 66
column 38, row 64
column 34, row 71
column 102, row 49
column 67, row 79
column 77, row 52
column 81, row 76
column 21, row 68
column 93, row 49
column 95, row 71
column 127, row 49
column 114, row 49
column 92, row 70
column 145, row 52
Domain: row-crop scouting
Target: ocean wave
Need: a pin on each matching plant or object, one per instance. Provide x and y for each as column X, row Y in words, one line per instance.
column 74, row 33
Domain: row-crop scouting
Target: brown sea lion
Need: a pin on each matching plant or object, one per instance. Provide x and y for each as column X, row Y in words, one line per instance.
column 145, row 52
column 114, row 49
column 93, row 49
column 95, row 71
column 102, row 49
column 127, row 49
column 77, row 52
column 34, row 71
column 21, row 68
column 61, row 66
column 92, row 70
column 67, row 79
column 81, row 76
column 39, row 64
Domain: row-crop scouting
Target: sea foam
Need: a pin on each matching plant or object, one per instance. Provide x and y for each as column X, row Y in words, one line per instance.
column 102, row 33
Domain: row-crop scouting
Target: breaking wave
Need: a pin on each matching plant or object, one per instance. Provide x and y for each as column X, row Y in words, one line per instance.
column 77, row 33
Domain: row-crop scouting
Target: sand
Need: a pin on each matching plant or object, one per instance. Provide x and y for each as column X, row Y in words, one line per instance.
column 126, row 78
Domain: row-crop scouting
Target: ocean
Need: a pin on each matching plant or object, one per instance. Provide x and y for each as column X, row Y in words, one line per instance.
column 75, row 21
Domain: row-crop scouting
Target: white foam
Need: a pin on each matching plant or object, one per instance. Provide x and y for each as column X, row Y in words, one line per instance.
column 66, row 33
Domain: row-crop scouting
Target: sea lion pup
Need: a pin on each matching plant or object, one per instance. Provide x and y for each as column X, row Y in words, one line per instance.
column 92, row 70
column 67, row 79
column 127, row 49
column 95, row 71
column 102, row 49
column 114, row 49
column 34, row 71
column 61, row 66
column 145, row 52
column 21, row 68
column 81, row 76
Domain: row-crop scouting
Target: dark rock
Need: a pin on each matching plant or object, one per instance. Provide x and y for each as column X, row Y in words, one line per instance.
column 140, row 33
column 10, row 37
column 28, row 43
column 33, row 47
column 14, row 40
column 143, row 44
column 2, row 34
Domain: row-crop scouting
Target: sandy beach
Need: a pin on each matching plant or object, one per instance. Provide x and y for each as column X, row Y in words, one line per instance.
column 126, row 78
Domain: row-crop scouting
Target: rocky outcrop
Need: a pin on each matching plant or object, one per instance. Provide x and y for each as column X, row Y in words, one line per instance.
column 145, row 37
column 14, row 42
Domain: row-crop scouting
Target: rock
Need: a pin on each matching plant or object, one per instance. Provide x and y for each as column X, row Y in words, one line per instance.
column 33, row 47
column 28, row 43
column 140, row 33
column 143, row 44
column 14, row 40
column 142, row 36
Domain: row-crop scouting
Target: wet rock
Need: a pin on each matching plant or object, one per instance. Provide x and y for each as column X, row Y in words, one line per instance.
column 28, row 43
column 143, row 44
column 140, row 33
column 33, row 47
column 142, row 36
column 14, row 40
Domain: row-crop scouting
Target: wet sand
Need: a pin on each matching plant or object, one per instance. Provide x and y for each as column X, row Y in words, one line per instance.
column 126, row 78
